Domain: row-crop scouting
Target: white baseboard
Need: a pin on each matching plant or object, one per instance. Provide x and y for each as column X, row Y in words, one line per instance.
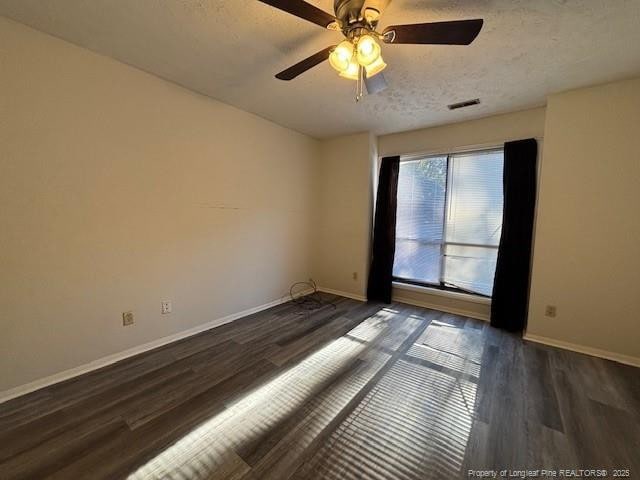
column 441, row 308
column 116, row 357
column 354, row 296
column 594, row 352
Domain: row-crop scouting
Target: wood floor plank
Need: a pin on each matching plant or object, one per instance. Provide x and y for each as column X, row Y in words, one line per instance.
column 336, row 328
column 77, row 389
column 219, row 378
column 542, row 403
column 47, row 458
column 81, row 418
column 508, row 407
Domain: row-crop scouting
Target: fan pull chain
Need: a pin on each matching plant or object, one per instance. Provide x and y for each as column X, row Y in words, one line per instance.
column 360, row 84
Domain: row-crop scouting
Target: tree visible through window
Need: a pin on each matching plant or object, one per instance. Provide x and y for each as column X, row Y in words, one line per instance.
column 449, row 220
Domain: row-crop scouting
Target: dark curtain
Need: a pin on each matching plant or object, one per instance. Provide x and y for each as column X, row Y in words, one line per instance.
column 384, row 232
column 510, row 297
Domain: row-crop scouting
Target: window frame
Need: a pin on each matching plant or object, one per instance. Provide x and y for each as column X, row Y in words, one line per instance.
column 443, row 245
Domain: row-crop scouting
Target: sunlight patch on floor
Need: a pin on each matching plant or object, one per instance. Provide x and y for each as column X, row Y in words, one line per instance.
column 414, row 424
column 416, row 421
column 208, row 447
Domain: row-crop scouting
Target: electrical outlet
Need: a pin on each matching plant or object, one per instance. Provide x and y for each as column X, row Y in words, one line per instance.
column 166, row 307
column 355, row 275
column 550, row 311
column 127, row 319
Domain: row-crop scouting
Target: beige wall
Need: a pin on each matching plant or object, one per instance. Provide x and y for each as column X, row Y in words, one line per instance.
column 493, row 130
column 489, row 131
column 459, row 304
column 119, row 190
column 344, row 213
column 586, row 259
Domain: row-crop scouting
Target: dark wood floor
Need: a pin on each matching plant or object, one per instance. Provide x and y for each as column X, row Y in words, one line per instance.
column 348, row 391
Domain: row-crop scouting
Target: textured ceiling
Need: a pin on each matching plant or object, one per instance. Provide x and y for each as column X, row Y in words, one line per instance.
column 230, row 50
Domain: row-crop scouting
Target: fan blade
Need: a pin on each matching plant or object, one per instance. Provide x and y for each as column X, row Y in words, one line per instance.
column 303, row 10
column 459, row 32
column 301, row 67
column 375, row 84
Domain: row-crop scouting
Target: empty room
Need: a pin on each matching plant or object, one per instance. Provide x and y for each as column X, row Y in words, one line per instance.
column 322, row 239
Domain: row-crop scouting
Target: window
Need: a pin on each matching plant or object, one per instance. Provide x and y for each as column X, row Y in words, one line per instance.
column 449, row 220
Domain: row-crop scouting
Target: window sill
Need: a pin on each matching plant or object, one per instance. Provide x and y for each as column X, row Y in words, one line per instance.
column 467, row 297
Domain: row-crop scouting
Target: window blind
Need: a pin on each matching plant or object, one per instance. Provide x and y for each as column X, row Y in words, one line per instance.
column 474, row 220
column 449, row 220
column 420, row 219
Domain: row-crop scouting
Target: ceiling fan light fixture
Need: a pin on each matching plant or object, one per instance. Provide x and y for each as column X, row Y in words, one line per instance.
column 367, row 50
column 352, row 71
column 359, row 57
column 342, row 56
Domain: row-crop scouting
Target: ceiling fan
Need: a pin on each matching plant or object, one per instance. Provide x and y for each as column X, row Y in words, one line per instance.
column 359, row 57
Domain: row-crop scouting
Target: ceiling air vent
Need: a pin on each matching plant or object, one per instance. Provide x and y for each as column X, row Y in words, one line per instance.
column 468, row 103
